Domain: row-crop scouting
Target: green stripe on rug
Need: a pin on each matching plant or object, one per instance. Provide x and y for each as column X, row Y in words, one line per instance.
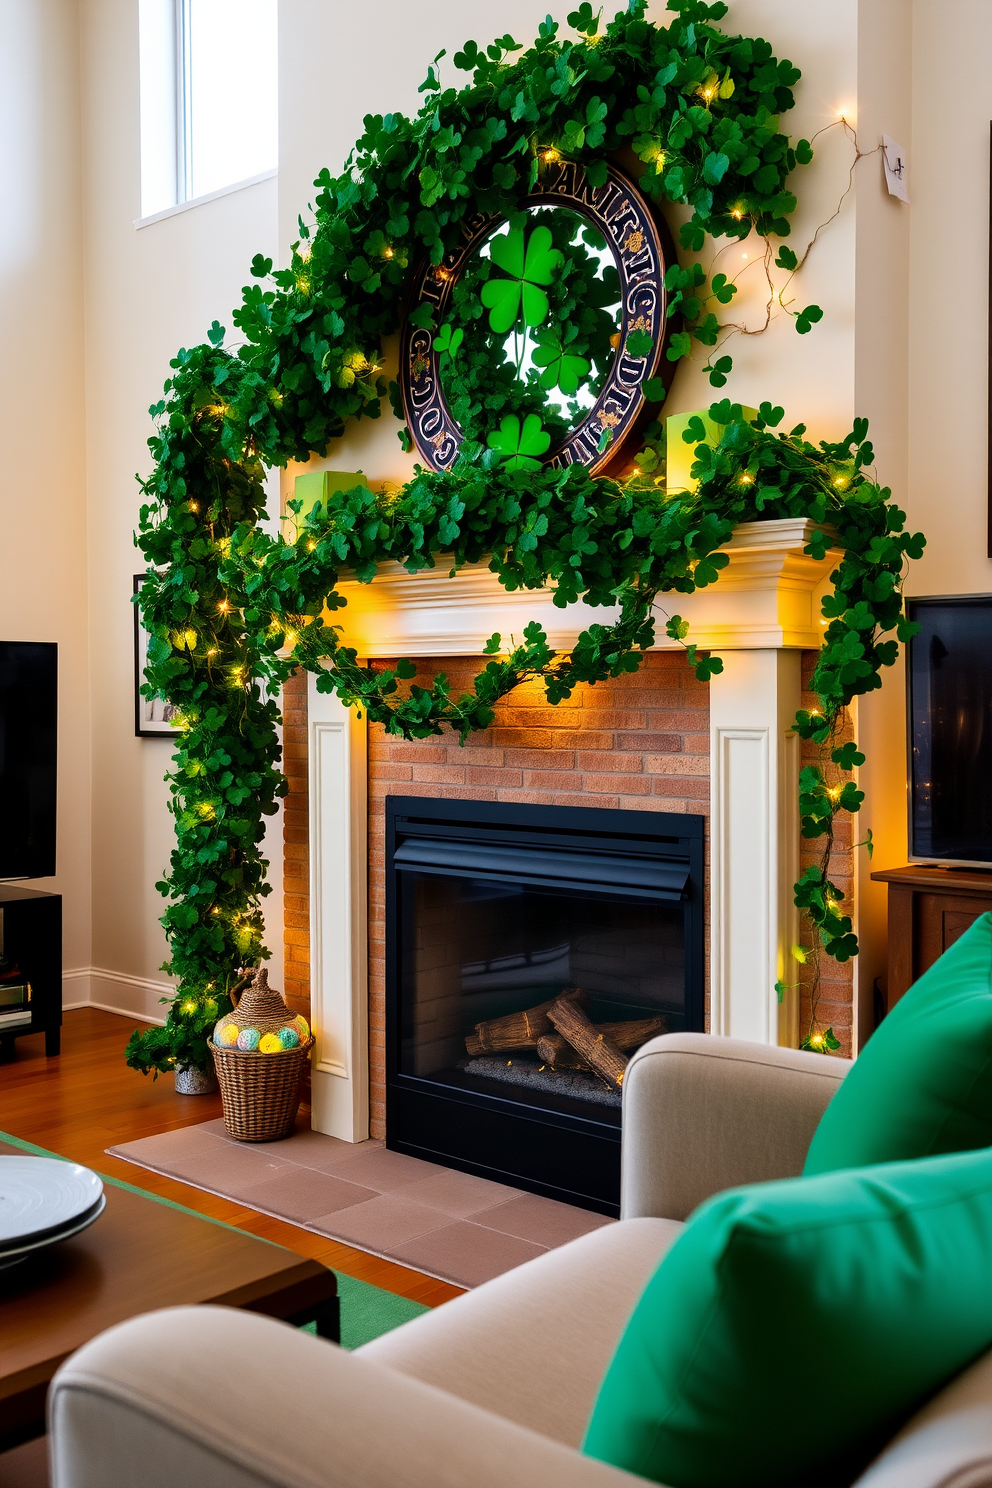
column 367, row 1311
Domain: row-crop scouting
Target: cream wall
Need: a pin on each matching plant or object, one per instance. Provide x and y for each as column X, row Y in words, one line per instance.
column 42, row 492
column 949, row 340
column 148, row 291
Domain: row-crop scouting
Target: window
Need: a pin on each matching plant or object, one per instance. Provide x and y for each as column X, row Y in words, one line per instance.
column 209, row 97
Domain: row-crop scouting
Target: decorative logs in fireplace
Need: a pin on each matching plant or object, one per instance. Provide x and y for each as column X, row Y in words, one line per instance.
column 565, row 1038
column 556, row 1051
column 518, row 1030
column 601, row 1054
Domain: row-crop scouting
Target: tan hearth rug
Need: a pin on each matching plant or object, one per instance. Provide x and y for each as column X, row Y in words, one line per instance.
column 448, row 1224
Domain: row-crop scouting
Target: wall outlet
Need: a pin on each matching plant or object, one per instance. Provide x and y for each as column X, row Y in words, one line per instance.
column 896, row 168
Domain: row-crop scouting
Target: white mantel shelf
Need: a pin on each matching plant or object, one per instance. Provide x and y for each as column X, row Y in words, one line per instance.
column 760, row 614
column 768, row 596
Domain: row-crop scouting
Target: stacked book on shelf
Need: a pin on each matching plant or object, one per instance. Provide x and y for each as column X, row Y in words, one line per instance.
column 15, row 998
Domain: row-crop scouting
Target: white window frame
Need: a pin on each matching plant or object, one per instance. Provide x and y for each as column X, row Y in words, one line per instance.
column 167, row 141
column 184, row 103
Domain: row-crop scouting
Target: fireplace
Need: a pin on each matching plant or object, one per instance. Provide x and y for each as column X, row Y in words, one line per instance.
column 511, row 931
column 654, row 738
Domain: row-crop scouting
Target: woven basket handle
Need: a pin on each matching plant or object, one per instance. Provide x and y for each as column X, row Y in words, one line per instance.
column 240, row 987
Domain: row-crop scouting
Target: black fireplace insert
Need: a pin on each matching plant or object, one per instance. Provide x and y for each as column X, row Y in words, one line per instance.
column 495, row 914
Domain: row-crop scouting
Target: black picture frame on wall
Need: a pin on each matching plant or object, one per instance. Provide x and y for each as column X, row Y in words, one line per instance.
column 152, row 716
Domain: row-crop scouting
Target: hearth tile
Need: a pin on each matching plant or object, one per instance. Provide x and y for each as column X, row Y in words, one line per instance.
column 308, row 1148
column 183, row 1139
column 302, row 1193
column 466, row 1254
column 456, row 1193
column 543, row 1221
column 215, row 1128
column 200, row 1159
column 381, row 1223
column 374, row 1165
column 326, row 1154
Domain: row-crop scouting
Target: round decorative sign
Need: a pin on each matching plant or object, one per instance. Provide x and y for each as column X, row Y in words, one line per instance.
column 595, row 252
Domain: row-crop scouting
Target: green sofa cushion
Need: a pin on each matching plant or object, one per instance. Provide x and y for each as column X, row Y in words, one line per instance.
column 794, row 1326
column 923, row 1082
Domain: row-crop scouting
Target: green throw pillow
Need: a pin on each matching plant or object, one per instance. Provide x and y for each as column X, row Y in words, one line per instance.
column 923, row 1083
column 794, row 1326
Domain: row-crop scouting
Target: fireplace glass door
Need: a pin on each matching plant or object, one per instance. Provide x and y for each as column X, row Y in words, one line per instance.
column 530, row 951
column 477, row 951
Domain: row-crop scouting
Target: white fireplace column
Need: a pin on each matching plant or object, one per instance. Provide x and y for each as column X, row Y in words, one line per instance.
column 754, row 844
column 339, row 995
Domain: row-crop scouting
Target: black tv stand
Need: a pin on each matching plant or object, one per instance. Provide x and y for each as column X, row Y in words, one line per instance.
column 32, row 940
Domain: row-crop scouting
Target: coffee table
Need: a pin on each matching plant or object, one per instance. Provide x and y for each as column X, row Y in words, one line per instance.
column 139, row 1255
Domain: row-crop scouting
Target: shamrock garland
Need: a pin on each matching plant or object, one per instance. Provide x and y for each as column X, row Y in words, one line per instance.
column 699, row 110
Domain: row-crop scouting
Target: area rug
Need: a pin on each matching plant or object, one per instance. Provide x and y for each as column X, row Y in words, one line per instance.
column 447, row 1224
column 366, row 1311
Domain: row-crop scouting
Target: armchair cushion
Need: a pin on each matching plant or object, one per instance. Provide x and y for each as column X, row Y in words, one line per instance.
column 794, row 1326
column 555, row 1319
column 923, row 1083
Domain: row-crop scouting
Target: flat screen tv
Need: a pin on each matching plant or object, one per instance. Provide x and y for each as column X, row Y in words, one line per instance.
column 949, row 665
column 28, row 757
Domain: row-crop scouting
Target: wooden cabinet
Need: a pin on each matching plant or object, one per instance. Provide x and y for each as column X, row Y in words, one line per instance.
column 31, row 941
column 928, row 909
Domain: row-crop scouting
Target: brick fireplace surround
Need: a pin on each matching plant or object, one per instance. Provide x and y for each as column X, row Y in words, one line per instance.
column 641, row 742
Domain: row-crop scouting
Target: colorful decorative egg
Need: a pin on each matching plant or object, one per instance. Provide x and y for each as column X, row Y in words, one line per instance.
column 261, row 1023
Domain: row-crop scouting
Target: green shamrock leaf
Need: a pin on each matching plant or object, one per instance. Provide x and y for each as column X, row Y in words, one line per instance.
column 719, row 371
column 848, row 756
column 822, row 1043
column 640, row 344
column 808, row 318
column 562, row 369
column 584, row 20
column 447, row 341
column 528, row 264
column 517, row 445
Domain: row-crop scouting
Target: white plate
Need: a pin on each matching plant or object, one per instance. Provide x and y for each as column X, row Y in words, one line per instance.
column 41, row 1198
column 21, row 1252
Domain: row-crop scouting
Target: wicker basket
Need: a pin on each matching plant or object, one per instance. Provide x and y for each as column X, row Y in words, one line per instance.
column 260, row 1092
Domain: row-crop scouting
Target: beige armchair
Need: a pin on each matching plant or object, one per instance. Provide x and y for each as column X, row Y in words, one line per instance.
column 493, row 1389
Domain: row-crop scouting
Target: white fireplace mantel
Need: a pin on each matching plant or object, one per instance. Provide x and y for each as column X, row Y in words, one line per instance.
column 760, row 615
column 767, row 596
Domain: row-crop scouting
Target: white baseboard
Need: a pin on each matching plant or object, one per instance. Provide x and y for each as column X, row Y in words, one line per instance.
column 114, row 992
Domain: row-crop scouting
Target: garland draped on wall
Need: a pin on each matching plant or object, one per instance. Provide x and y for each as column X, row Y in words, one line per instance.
column 233, row 611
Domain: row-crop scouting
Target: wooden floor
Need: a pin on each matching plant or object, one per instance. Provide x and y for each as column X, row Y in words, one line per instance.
column 87, row 1100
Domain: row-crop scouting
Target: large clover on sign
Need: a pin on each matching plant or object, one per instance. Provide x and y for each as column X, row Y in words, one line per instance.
column 519, row 446
column 529, row 263
column 563, row 369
